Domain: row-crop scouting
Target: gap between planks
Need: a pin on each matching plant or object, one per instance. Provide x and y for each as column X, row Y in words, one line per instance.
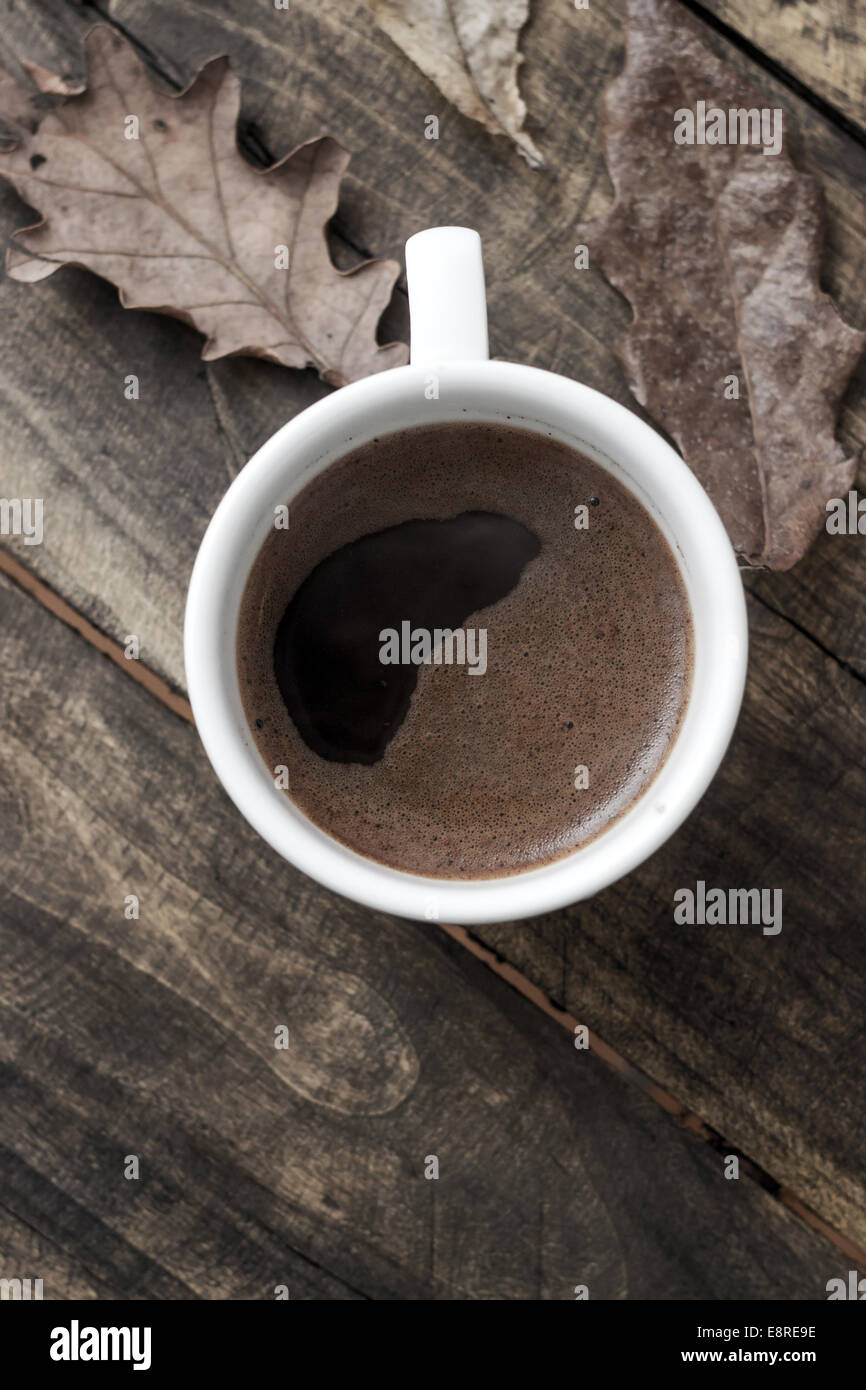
column 42, row 593
column 771, row 65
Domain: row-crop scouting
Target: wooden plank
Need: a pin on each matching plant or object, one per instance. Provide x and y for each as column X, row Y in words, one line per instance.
column 122, row 528
column 820, row 42
column 155, row 1037
column 25, row 1253
column 305, row 71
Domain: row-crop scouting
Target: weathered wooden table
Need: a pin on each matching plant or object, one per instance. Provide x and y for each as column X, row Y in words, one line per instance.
column 154, row 1037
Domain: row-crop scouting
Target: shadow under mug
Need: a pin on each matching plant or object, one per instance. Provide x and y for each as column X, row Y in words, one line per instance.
column 449, row 357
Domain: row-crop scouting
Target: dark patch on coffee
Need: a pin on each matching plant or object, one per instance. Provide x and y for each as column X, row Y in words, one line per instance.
column 347, row 704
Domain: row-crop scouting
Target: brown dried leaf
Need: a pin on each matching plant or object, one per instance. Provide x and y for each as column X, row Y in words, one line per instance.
column 717, row 248
column 469, row 49
column 183, row 224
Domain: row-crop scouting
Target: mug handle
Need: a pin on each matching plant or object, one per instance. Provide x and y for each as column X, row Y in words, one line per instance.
column 447, row 301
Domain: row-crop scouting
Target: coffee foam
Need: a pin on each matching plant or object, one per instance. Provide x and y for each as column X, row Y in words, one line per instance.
column 589, row 658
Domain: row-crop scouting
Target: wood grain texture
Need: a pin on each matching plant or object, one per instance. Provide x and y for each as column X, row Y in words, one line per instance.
column 762, row 1036
column 25, row 1253
column 309, row 70
column 49, row 33
column 820, row 42
column 155, row 1037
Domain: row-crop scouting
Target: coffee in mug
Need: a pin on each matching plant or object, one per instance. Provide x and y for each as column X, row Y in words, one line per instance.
column 468, row 652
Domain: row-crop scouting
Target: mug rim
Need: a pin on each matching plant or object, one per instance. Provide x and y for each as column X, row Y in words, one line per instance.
column 597, row 425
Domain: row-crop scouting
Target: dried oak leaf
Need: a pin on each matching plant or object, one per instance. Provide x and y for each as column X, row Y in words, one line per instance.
column 469, row 49
column 717, row 248
column 183, row 224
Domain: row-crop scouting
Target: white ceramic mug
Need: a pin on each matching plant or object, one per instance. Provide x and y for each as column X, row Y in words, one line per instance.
column 451, row 378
